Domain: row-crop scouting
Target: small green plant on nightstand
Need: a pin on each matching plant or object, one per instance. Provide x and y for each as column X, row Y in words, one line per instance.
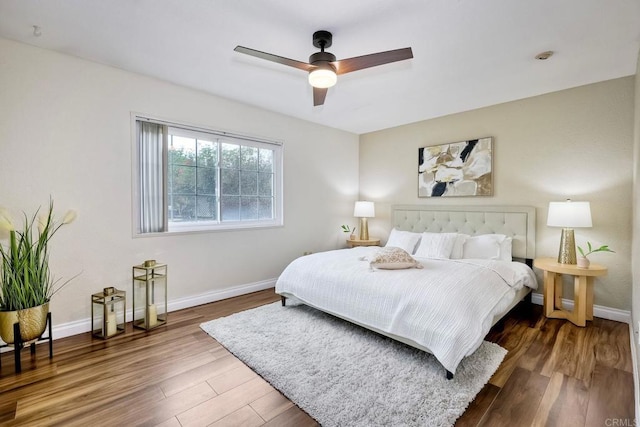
column 591, row 249
column 346, row 229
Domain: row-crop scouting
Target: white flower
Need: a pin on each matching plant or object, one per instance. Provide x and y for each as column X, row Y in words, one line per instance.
column 6, row 225
column 69, row 217
column 6, row 222
column 42, row 222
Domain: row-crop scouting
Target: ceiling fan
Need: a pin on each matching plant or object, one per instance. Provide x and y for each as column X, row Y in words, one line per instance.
column 323, row 68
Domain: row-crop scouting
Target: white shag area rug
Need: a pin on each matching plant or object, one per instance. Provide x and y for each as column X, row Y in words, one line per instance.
column 344, row 375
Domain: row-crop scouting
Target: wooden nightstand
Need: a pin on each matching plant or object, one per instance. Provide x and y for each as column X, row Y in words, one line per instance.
column 356, row 242
column 583, row 289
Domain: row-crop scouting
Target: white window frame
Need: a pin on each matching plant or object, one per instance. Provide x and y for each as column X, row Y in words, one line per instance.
column 207, row 226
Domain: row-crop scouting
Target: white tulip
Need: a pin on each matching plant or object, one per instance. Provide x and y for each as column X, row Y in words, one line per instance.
column 69, row 217
column 6, row 224
column 6, row 221
column 42, row 222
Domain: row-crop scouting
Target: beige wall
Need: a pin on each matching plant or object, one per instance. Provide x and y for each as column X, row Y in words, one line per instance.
column 65, row 131
column 576, row 143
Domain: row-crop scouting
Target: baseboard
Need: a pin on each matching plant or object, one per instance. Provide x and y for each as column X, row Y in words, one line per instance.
column 221, row 294
column 598, row 310
column 84, row 325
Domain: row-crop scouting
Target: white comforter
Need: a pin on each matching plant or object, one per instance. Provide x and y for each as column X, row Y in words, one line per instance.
column 447, row 306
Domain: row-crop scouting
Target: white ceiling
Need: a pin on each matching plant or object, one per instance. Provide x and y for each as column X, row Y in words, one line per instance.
column 467, row 53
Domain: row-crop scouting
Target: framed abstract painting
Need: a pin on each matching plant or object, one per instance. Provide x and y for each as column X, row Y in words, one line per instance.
column 456, row 169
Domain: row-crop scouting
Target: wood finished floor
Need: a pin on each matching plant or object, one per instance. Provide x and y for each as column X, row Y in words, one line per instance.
column 555, row 374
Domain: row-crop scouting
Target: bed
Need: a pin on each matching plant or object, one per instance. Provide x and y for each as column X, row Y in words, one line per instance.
column 449, row 301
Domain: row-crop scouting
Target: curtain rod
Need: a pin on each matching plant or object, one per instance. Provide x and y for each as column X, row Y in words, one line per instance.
column 205, row 130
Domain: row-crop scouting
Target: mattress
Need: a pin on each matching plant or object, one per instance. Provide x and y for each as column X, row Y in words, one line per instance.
column 447, row 307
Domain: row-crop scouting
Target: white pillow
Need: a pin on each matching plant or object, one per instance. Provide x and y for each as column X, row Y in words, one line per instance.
column 404, row 240
column 486, row 246
column 436, row 245
column 505, row 249
column 458, row 246
column 392, row 258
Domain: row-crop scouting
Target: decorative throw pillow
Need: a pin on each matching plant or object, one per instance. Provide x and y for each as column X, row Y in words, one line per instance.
column 392, row 258
column 404, row 240
column 436, row 245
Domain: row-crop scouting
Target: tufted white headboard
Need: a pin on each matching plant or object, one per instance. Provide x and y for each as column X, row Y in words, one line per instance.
column 518, row 222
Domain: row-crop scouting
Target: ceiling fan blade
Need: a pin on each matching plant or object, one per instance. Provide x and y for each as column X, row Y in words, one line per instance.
column 274, row 58
column 319, row 95
column 344, row 66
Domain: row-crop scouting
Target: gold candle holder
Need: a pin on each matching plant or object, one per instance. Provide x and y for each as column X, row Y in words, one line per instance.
column 149, row 294
column 108, row 313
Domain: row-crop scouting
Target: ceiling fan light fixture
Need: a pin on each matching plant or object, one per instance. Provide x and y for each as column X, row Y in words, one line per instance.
column 323, row 77
column 323, row 67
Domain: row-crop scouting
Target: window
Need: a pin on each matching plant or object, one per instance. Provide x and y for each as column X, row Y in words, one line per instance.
column 191, row 179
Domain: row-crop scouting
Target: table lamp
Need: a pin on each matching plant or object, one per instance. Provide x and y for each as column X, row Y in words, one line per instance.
column 364, row 210
column 568, row 215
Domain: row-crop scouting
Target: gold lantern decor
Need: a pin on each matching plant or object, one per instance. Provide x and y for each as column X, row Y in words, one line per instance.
column 108, row 313
column 149, row 295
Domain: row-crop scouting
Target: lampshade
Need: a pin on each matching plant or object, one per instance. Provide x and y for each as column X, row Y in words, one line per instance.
column 569, row 214
column 323, row 77
column 364, row 210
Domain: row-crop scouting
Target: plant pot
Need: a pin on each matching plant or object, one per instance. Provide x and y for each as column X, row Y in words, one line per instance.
column 353, row 237
column 32, row 321
column 583, row 262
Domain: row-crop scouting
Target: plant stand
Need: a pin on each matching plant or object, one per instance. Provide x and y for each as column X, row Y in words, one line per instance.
column 19, row 344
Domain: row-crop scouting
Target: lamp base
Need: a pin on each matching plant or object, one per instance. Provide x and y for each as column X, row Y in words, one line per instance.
column 567, row 252
column 364, row 229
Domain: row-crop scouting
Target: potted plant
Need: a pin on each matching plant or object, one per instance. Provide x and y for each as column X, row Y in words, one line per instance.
column 583, row 261
column 347, row 229
column 26, row 284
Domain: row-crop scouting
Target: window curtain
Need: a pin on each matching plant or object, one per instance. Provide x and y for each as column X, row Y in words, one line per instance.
column 151, row 143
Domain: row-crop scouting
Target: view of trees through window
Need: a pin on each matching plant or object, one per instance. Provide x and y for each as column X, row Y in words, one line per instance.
column 217, row 180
